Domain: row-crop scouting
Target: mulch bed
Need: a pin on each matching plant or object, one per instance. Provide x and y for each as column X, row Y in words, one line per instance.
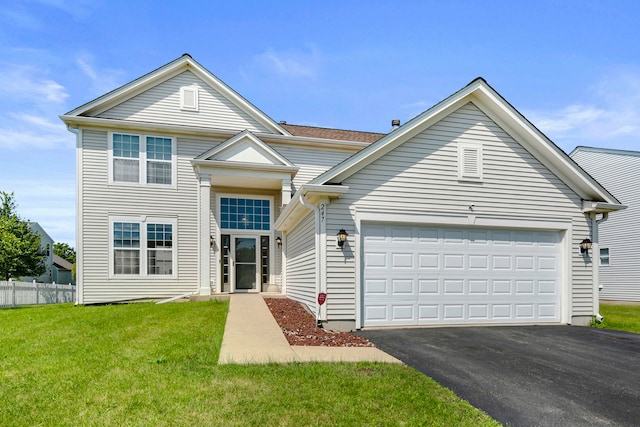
column 299, row 327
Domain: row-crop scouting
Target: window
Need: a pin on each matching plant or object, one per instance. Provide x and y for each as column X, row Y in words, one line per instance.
column 469, row 162
column 151, row 162
column 189, row 98
column 604, row 256
column 143, row 247
column 245, row 214
column 126, row 154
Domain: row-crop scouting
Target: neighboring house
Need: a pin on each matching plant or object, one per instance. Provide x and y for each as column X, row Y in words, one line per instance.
column 46, row 243
column 62, row 271
column 467, row 214
column 618, row 253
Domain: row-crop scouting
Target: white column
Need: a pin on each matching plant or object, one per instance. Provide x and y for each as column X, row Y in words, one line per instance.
column 286, row 191
column 204, row 235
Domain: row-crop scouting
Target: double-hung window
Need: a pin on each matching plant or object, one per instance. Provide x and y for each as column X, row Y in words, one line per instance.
column 142, row 159
column 143, row 247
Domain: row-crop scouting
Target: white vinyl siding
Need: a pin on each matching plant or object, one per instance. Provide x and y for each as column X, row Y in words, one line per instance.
column 311, row 160
column 301, row 262
column 420, row 177
column 163, row 104
column 619, row 172
column 101, row 201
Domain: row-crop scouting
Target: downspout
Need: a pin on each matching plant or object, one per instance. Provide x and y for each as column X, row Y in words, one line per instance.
column 595, row 251
column 79, row 249
column 316, row 209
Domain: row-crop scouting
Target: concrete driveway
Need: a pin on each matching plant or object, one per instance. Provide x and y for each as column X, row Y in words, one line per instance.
column 529, row 376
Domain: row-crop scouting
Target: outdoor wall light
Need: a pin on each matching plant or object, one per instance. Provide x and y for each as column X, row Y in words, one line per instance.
column 279, row 241
column 211, row 240
column 342, row 237
column 585, row 245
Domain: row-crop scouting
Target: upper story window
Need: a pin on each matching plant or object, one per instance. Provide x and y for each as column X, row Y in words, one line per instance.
column 604, row 256
column 469, row 162
column 245, row 214
column 142, row 159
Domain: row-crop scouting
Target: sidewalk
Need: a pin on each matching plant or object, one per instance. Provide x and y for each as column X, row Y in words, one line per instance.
column 252, row 336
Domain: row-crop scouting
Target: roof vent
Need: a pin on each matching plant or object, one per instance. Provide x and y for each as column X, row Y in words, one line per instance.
column 283, row 122
column 395, row 124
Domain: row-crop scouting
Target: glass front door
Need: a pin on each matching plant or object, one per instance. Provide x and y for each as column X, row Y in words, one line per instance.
column 246, row 263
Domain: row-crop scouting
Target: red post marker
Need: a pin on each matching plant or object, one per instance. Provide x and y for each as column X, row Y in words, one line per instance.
column 322, row 297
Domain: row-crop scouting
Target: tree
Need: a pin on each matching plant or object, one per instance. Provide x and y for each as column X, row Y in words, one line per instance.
column 63, row 250
column 20, row 251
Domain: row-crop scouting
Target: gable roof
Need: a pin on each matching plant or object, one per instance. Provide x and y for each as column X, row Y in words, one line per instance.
column 490, row 102
column 615, row 151
column 165, row 72
column 329, row 133
column 248, row 148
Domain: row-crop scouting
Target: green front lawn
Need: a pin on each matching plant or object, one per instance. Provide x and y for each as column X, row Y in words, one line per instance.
column 620, row 317
column 156, row 365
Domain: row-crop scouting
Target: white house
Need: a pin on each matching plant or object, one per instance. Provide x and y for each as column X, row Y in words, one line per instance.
column 467, row 214
column 619, row 255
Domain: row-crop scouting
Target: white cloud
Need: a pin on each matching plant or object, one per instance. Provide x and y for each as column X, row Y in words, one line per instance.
column 292, row 64
column 27, row 82
column 102, row 80
column 24, row 130
column 611, row 117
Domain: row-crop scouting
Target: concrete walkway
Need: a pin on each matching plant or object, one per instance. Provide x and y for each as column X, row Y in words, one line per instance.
column 252, row 336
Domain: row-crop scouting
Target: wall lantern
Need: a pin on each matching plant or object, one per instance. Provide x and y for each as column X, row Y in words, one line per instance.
column 211, row 240
column 279, row 241
column 585, row 245
column 342, row 237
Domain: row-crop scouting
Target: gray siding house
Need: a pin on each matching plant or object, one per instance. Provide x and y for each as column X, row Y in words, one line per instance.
column 618, row 254
column 466, row 214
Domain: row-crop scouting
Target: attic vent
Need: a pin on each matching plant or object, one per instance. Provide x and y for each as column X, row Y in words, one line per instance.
column 470, row 162
column 189, row 98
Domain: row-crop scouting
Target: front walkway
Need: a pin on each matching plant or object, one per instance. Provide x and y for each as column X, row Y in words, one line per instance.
column 252, row 336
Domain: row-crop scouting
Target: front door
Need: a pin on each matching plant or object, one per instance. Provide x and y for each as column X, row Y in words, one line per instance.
column 245, row 263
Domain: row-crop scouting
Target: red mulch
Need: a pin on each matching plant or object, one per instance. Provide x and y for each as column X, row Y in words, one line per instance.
column 299, row 326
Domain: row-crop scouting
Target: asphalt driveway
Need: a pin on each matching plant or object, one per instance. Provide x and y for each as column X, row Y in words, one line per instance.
column 529, row 376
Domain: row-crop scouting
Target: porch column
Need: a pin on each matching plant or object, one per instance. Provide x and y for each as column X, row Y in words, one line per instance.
column 204, row 234
column 286, row 191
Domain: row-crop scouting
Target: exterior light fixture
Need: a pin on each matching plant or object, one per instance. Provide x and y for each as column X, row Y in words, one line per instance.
column 211, row 240
column 585, row 245
column 342, row 237
column 279, row 241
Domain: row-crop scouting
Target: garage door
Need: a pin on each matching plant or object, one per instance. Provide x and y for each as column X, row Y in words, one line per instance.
column 438, row 275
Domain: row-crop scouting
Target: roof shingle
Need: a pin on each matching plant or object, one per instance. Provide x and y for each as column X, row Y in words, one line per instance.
column 328, row 133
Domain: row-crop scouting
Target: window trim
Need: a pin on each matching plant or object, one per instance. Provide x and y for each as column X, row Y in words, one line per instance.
column 143, row 161
column 608, row 256
column 219, row 198
column 143, row 220
column 463, row 148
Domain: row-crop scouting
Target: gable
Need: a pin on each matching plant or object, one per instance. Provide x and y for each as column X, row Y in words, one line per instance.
column 180, row 93
column 246, row 148
column 163, row 104
column 487, row 100
column 425, row 171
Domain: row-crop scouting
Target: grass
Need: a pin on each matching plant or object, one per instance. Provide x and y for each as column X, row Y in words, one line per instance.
column 620, row 317
column 156, row 365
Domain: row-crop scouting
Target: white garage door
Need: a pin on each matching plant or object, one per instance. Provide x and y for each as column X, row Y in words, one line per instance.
column 438, row 275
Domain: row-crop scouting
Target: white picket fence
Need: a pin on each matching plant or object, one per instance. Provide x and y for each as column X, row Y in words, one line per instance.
column 13, row 294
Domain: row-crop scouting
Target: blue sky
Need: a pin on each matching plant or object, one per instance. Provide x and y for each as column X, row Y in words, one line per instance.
column 571, row 67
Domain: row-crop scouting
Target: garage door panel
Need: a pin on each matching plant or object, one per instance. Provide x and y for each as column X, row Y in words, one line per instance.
column 439, row 275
